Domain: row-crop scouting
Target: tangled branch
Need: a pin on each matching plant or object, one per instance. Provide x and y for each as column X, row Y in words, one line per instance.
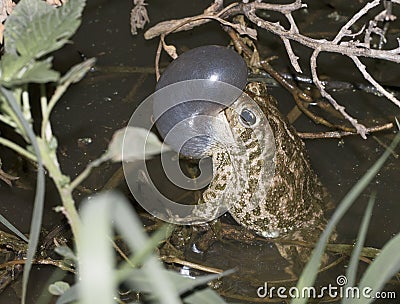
column 346, row 42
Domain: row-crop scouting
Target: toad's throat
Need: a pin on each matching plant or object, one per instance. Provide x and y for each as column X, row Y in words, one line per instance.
column 267, row 178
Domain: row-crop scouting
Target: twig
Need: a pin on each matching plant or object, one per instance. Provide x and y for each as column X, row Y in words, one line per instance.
column 361, row 67
column 47, row 261
column 242, row 47
column 322, row 44
column 86, row 172
column 294, row 90
column 249, row 10
column 361, row 129
column 176, row 260
column 319, row 120
column 353, row 48
column 340, row 134
column 344, row 31
column 185, row 24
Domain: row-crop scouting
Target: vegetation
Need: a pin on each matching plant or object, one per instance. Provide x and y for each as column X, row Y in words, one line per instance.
column 32, row 32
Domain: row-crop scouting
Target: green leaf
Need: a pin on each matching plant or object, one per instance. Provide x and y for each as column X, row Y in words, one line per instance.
column 14, row 229
column 58, row 288
column 385, row 266
column 130, row 227
column 362, row 234
column 132, row 143
column 139, row 257
column 77, row 72
column 70, row 295
column 36, row 28
column 109, row 209
column 33, row 30
column 67, row 254
column 96, row 274
column 17, row 71
column 38, row 205
column 98, row 214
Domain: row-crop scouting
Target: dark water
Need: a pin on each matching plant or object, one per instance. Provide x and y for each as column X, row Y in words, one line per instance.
column 87, row 116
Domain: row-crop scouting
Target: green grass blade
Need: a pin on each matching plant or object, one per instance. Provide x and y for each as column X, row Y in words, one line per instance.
column 385, row 266
column 98, row 214
column 309, row 274
column 130, row 227
column 362, row 234
column 36, row 222
column 96, row 260
column 14, row 229
column 140, row 256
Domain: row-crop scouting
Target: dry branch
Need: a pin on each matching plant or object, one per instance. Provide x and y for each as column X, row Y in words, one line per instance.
column 356, row 45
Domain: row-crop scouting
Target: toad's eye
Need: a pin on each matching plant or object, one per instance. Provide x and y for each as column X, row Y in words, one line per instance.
column 247, row 117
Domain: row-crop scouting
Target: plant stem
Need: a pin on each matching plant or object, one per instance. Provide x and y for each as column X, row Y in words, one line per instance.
column 13, row 146
column 85, row 173
column 63, row 186
column 71, row 213
column 46, row 132
column 46, row 111
column 26, row 107
column 7, row 120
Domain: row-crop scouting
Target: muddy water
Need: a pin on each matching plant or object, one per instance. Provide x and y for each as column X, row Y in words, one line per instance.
column 92, row 110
